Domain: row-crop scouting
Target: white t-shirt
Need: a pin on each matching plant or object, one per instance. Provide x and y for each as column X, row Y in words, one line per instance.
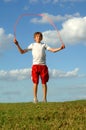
column 38, row 52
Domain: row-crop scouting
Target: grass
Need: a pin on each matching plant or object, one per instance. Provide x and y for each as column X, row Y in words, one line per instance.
column 43, row 116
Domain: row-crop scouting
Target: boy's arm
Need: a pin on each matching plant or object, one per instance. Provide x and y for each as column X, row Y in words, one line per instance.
column 22, row 51
column 57, row 49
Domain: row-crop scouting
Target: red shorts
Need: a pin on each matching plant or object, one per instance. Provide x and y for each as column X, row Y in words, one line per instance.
column 42, row 71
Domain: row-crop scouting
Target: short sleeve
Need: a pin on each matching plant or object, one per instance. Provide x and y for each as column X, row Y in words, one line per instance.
column 47, row 47
column 30, row 47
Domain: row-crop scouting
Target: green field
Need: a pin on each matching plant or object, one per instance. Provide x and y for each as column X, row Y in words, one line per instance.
column 43, row 116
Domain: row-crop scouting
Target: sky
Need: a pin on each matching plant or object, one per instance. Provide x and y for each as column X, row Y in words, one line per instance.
column 60, row 21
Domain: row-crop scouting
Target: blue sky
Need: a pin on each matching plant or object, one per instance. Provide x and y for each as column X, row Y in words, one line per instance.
column 67, row 68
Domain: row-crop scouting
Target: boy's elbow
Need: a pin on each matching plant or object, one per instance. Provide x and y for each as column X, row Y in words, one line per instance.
column 22, row 52
column 52, row 50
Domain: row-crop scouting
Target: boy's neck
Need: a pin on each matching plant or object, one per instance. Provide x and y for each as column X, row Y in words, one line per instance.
column 38, row 41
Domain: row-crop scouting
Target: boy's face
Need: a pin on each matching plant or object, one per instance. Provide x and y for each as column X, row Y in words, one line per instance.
column 38, row 38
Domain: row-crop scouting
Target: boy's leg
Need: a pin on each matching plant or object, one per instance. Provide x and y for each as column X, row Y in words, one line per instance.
column 44, row 92
column 35, row 88
column 44, row 78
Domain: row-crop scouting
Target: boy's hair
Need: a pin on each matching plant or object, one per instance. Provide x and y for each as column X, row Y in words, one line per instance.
column 38, row 33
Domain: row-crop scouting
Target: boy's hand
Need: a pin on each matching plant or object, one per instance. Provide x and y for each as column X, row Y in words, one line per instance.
column 63, row 46
column 15, row 41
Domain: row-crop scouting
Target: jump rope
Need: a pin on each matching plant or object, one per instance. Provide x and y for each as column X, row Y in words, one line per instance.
column 41, row 15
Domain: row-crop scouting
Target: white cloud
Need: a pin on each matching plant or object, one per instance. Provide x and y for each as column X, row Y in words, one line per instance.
column 5, row 40
column 61, row 74
column 73, row 28
column 50, row 37
column 73, row 31
column 15, row 74
column 24, row 74
column 52, row 18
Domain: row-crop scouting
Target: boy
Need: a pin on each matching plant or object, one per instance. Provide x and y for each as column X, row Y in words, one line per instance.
column 39, row 67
